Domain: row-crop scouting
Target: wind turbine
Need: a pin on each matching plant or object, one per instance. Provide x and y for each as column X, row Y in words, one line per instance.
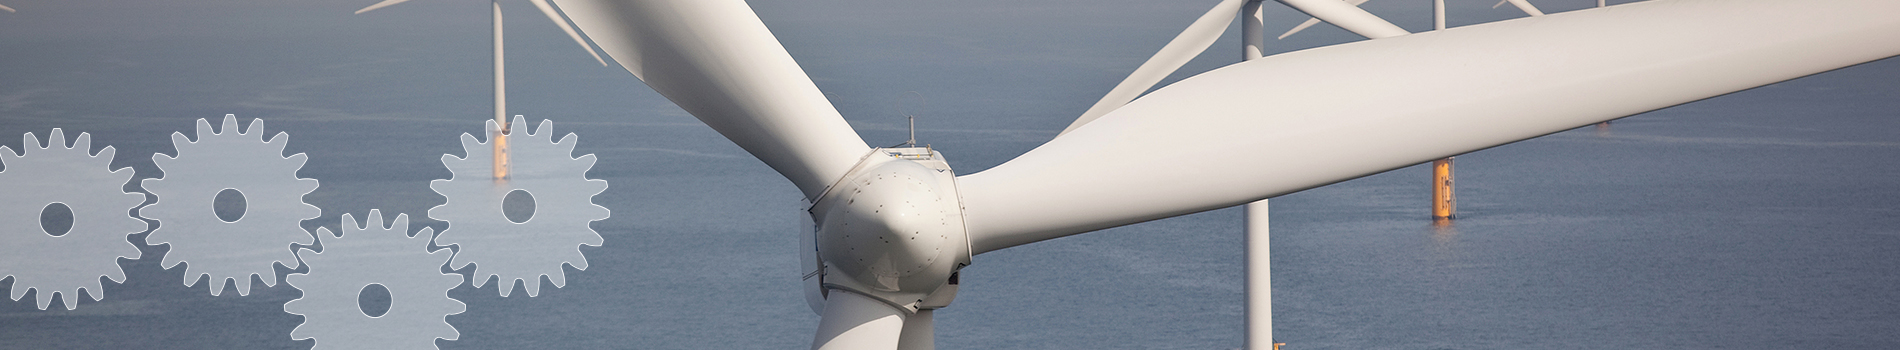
column 7, row 9
column 891, row 227
column 1525, row 5
column 501, row 76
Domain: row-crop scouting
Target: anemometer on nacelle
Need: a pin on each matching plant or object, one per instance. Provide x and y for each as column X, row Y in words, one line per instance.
column 891, row 229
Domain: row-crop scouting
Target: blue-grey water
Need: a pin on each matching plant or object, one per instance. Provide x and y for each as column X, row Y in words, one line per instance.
column 1768, row 218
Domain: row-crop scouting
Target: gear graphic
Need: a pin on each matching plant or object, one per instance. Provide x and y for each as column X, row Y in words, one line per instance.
column 272, row 197
column 562, row 197
column 65, row 259
column 360, row 259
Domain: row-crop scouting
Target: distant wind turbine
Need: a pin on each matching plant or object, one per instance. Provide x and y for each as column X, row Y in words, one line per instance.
column 501, row 86
column 1525, row 5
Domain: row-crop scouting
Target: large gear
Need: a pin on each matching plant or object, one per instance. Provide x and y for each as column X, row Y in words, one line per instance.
column 72, row 259
column 563, row 208
column 273, row 199
column 360, row 257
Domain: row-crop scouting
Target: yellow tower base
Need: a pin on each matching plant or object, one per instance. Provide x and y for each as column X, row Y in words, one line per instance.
column 1444, row 202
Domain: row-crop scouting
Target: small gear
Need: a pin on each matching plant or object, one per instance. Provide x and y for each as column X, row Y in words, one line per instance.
column 360, row 259
column 65, row 259
column 272, row 198
column 539, row 168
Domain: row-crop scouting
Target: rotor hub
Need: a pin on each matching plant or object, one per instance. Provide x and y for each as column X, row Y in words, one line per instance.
column 894, row 229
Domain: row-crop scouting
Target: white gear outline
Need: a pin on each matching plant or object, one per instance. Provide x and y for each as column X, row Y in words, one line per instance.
column 373, row 254
column 564, row 208
column 273, row 194
column 90, row 248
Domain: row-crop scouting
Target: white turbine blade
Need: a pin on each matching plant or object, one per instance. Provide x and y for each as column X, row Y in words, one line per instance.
column 8, row 9
column 1525, row 5
column 716, row 60
column 856, row 322
column 1177, row 52
column 1296, row 29
column 548, row 9
column 1500, row 3
column 1311, row 21
column 1348, row 17
column 920, row 331
column 1299, row 120
column 384, row 3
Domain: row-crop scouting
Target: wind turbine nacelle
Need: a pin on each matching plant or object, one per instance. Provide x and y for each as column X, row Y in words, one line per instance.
column 893, row 229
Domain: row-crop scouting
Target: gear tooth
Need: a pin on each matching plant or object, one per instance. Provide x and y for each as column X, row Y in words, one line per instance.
column 44, row 299
column 243, row 284
column 423, row 237
column 457, row 262
column 400, row 224
column 581, row 262
column 8, row 153
column 452, row 333
column 294, row 306
column 216, row 284
column 83, row 143
column 468, row 143
column 597, row 190
column 179, row 140
column 106, row 153
column 230, row 126
column 256, row 127
column 519, row 123
column 298, row 333
column 30, row 141
column 204, row 129
column 544, row 130
column 55, row 138
column 349, row 225
column 18, row 289
column 490, row 127
column 96, row 291
column 559, row 279
column 271, row 280
column 168, row 262
column 593, row 240
column 585, row 161
column 374, row 221
column 534, row 285
column 299, row 158
column 116, row 274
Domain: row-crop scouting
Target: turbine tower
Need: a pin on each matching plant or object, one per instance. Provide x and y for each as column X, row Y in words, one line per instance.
column 500, row 136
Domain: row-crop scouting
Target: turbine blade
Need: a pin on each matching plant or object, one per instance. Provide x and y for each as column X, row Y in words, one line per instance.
column 1347, row 16
column 716, row 60
column 8, row 9
column 1500, row 3
column 853, row 322
column 1525, row 5
column 920, row 331
column 1177, row 52
column 548, row 9
column 1311, row 21
column 1299, row 120
column 1296, row 29
column 384, row 3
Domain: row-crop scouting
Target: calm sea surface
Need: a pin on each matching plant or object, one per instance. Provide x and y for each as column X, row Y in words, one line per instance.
column 1768, row 218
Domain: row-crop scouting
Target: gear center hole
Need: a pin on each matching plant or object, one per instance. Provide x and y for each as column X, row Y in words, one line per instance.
column 229, row 205
column 373, row 300
column 518, row 206
column 56, row 219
